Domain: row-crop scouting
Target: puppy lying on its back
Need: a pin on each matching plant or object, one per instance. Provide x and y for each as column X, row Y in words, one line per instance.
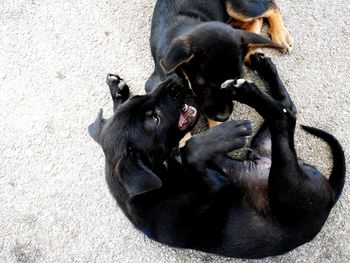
column 198, row 197
column 192, row 38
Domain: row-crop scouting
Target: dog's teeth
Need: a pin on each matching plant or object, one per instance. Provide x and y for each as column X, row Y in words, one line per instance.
column 194, row 112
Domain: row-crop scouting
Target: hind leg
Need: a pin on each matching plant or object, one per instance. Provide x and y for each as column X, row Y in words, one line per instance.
column 253, row 26
column 246, row 11
column 288, row 190
column 267, row 71
column 248, row 16
column 260, row 145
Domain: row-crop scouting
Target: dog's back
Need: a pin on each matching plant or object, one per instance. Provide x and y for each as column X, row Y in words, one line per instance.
column 173, row 17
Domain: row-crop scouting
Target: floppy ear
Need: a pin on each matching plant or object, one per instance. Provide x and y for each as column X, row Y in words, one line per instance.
column 95, row 128
column 252, row 40
column 179, row 53
column 136, row 177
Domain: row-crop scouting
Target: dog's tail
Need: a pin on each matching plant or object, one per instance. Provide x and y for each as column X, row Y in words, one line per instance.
column 337, row 177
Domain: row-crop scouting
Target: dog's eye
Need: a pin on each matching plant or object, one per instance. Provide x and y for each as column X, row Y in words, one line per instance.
column 156, row 119
column 153, row 116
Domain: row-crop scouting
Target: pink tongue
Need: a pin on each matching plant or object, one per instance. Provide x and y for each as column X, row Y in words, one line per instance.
column 182, row 120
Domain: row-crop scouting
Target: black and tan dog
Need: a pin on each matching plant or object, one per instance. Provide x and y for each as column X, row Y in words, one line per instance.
column 192, row 39
column 198, row 197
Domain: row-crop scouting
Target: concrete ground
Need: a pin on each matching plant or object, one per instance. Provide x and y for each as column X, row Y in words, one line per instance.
column 54, row 56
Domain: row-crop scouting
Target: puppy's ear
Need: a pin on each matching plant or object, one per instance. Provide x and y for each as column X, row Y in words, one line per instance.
column 179, row 53
column 252, row 40
column 96, row 127
column 136, row 177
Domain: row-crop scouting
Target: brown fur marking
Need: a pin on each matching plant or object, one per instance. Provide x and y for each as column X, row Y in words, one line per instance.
column 213, row 123
column 277, row 30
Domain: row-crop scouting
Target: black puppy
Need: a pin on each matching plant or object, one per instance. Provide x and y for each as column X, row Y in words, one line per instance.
column 199, row 198
column 192, row 39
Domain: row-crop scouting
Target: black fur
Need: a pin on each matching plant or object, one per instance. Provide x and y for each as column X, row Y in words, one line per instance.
column 193, row 37
column 197, row 197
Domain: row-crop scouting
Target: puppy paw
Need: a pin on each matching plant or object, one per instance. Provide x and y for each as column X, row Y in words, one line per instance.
column 263, row 66
column 117, row 86
column 233, row 128
column 224, row 138
column 237, row 87
column 242, row 131
column 281, row 36
column 229, row 136
column 240, row 89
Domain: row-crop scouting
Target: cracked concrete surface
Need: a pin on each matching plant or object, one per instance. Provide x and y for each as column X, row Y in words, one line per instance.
column 54, row 56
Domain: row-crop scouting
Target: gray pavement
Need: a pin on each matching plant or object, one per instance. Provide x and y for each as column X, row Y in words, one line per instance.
column 54, row 56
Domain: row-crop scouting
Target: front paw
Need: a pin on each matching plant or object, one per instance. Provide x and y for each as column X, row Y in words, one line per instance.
column 224, row 138
column 236, row 135
column 117, row 86
column 263, row 66
column 238, row 88
column 230, row 135
column 281, row 36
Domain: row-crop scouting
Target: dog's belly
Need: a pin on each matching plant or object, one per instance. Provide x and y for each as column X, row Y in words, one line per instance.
column 252, row 178
column 256, row 184
column 258, row 169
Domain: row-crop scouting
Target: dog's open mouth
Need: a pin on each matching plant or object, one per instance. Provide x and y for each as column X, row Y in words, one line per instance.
column 188, row 116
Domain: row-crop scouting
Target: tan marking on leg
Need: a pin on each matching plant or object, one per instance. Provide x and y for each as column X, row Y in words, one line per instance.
column 213, row 123
column 185, row 139
column 235, row 23
column 252, row 47
column 278, row 32
column 246, row 59
column 253, row 26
